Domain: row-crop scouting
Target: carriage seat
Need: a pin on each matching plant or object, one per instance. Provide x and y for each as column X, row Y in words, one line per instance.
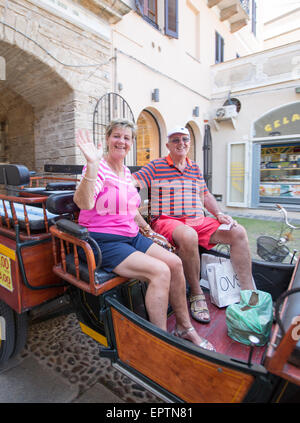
column 52, row 188
column 80, row 232
column 28, row 211
column 78, row 257
column 101, row 276
column 35, row 215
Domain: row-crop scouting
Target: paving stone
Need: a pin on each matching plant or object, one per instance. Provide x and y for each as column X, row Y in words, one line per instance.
column 98, row 394
column 30, row 382
column 61, row 347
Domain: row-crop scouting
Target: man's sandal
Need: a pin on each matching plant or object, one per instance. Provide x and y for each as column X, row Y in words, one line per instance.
column 196, row 311
column 182, row 334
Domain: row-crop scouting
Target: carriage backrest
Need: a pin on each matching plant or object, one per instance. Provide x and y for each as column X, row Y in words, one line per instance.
column 61, row 203
column 13, row 174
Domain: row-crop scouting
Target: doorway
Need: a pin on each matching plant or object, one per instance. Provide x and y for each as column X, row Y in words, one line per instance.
column 148, row 138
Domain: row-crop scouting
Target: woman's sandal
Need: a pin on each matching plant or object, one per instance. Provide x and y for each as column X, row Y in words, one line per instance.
column 182, row 333
column 196, row 310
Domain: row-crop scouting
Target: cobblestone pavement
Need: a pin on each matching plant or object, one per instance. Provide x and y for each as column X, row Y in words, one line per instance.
column 60, row 345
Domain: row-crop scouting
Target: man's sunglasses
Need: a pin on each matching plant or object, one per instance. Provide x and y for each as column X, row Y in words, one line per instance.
column 177, row 140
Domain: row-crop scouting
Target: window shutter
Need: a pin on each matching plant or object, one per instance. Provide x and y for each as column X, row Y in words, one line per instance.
column 254, row 17
column 139, row 5
column 171, row 18
column 222, row 49
column 219, row 48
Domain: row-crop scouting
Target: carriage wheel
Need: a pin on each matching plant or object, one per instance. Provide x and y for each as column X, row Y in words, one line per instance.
column 7, row 334
column 21, row 326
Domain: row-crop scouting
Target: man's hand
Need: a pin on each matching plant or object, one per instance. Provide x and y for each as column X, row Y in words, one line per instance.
column 225, row 219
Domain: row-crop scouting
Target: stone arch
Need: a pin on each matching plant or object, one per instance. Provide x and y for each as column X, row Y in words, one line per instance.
column 17, row 129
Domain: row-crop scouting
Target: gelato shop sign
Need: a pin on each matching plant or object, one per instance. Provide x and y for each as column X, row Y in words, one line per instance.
column 279, row 122
column 282, row 121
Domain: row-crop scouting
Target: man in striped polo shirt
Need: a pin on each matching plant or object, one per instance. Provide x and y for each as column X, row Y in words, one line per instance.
column 178, row 197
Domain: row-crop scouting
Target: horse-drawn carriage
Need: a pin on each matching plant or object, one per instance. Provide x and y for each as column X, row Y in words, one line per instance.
column 45, row 254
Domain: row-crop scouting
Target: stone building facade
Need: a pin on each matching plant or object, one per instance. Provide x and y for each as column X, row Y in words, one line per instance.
column 58, row 63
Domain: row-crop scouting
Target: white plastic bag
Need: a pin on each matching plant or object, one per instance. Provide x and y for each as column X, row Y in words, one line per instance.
column 224, row 284
column 205, row 260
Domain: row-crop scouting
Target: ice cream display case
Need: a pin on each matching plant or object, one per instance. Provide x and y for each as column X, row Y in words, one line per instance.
column 280, row 172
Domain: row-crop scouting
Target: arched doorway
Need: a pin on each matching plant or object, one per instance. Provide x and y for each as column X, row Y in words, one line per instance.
column 148, row 138
column 192, row 150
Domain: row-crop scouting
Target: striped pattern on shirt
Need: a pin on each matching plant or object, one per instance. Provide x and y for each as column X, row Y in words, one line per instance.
column 105, row 172
column 173, row 192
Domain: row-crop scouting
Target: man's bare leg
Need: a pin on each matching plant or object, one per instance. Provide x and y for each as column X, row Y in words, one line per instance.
column 240, row 255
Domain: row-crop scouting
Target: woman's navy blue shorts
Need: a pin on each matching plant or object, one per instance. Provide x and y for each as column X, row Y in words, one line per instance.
column 116, row 248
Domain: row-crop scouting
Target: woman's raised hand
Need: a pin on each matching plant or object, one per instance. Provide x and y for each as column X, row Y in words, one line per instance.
column 91, row 153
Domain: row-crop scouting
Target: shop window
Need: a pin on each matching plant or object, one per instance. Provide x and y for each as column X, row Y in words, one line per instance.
column 192, row 150
column 148, row 139
column 219, row 53
column 276, row 157
column 280, row 173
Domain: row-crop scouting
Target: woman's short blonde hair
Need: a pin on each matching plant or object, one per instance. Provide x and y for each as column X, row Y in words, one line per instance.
column 120, row 123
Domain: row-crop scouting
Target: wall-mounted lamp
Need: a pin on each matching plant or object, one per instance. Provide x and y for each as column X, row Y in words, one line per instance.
column 196, row 111
column 155, row 95
column 120, row 86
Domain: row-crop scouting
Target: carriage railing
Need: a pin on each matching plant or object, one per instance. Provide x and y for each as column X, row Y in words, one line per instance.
column 20, row 211
column 43, row 180
column 66, row 256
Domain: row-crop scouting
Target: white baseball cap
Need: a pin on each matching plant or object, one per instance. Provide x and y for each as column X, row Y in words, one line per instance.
column 179, row 130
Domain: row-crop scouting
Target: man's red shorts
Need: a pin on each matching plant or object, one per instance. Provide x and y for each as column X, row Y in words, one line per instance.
column 204, row 226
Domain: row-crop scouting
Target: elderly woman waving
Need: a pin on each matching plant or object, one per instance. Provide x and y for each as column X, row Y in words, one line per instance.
column 109, row 204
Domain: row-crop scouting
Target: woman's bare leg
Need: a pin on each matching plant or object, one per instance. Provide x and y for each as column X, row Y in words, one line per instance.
column 177, row 291
column 144, row 267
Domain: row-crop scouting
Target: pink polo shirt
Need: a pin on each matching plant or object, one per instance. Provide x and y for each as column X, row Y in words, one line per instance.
column 116, row 204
